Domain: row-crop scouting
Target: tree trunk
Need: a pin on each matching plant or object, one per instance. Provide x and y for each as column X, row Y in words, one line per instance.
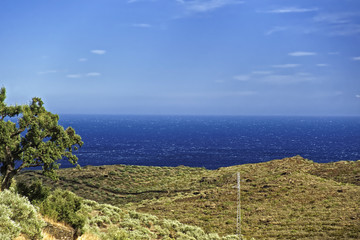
column 7, row 178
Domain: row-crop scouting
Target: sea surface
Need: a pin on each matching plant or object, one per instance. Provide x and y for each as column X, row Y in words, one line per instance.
column 212, row 141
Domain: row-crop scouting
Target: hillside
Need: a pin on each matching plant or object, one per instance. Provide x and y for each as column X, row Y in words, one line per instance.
column 292, row 198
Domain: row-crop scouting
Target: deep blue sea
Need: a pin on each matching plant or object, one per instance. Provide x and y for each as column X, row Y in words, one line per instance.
column 212, row 142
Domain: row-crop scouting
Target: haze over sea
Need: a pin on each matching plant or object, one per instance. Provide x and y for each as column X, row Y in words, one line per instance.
column 212, row 141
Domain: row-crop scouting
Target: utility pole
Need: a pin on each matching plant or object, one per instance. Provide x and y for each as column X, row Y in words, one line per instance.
column 238, row 217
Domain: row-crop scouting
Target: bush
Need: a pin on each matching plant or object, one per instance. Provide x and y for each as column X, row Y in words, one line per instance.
column 64, row 206
column 36, row 192
column 115, row 233
column 9, row 229
column 17, row 215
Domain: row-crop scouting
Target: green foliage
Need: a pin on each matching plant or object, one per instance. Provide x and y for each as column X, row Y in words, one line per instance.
column 17, row 216
column 36, row 192
column 110, row 222
column 115, row 233
column 292, row 198
column 9, row 229
column 66, row 207
column 31, row 135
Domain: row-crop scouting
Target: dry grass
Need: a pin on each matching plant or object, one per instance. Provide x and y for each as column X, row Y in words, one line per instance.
column 88, row 236
column 46, row 235
column 21, row 237
column 56, row 223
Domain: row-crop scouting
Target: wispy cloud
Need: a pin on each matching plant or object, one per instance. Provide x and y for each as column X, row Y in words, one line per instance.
column 242, row 78
column 356, row 58
column 74, row 75
column 93, row 74
column 292, row 10
column 82, row 59
column 276, row 29
column 235, row 94
column 216, row 94
column 339, row 23
column 345, row 30
column 262, row 72
column 81, row 75
column 288, row 65
column 134, row 1
column 271, row 77
column 335, row 18
column 358, row 95
column 294, row 29
column 288, row 79
column 322, row 65
column 47, row 72
column 198, row 6
column 302, row 54
column 99, row 52
column 142, row 25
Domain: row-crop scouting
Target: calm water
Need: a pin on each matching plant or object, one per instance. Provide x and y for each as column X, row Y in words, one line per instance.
column 212, row 142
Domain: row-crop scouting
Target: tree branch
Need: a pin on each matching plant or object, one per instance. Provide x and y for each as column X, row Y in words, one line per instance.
column 18, row 132
column 23, row 165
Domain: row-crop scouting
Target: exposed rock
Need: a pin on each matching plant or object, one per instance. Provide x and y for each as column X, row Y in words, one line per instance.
column 60, row 232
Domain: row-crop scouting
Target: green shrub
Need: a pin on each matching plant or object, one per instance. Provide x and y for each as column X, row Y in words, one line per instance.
column 113, row 223
column 17, row 215
column 9, row 229
column 36, row 192
column 115, row 233
column 64, row 206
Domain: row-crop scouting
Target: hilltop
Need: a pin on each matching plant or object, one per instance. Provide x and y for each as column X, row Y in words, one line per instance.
column 291, row 198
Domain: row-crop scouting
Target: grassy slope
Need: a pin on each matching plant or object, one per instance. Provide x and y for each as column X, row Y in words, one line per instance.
column 292, row 198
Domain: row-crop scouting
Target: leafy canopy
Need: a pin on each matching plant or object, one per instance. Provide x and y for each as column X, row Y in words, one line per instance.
column 30, row 136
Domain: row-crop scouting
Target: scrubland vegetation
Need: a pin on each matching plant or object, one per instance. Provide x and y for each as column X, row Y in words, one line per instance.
column 292, row 198
column 18, row 216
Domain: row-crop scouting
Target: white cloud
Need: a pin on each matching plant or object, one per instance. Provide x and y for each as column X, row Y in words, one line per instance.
column 301, row 54
column 358, row 95
column 276, row 30
column 74, row 76
column 205, row 5
column 335, row 18
column 339, row 23
column 292, row 10
column 322, row 65
column 99, row 52
column 216, row 94
column 82, row 59
column 345, row 30
column 93, row 74
column 288, row 79
column 262, row 72
column 47, row 72
column 242, row 78
column 233, row 94
column 142, row 25
column 289, row 65
column 356, row 58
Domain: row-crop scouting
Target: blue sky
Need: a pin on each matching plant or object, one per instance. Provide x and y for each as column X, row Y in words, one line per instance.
column 214, row 57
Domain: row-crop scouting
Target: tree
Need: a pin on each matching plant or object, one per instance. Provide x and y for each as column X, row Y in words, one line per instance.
column 30, row 136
